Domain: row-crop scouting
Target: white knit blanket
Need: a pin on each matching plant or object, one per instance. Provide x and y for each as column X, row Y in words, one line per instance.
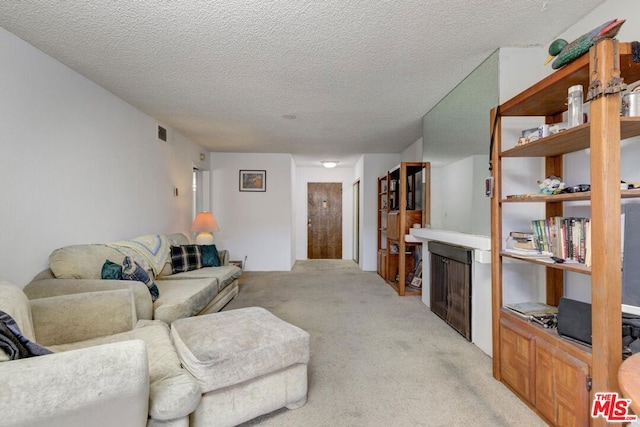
column 151, row 250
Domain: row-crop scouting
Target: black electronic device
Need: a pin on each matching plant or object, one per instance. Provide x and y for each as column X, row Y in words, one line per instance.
column 574, row 320
column 580, row 188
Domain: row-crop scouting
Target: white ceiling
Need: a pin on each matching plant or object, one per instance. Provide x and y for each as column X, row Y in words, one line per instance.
column 357, row 75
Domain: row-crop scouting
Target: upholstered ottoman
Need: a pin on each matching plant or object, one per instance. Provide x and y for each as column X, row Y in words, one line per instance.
column 248, row 363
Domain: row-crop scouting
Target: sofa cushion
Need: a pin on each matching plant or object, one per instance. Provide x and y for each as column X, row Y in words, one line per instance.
column 183, row 298
column 82, row 261
column 210, row 257
column 173, row 393
column 224, row 275
column 230, row 347
column 131, row 270
column 185, row 258
column 111, row 271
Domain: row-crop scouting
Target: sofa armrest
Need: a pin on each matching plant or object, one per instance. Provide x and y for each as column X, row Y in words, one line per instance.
column 104, row 385
column 78, row 317
column 53, row 287
column 224, row 257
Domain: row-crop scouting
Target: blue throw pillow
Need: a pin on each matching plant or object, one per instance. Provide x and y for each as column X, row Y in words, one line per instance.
column 210, row 257
column 111, row 271
column 131, row 270
column 185, row 258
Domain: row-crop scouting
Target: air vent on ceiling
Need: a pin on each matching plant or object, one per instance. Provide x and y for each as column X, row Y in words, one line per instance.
column 162, row 133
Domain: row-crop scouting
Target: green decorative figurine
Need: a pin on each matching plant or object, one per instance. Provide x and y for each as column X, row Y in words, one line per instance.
column 566, row 52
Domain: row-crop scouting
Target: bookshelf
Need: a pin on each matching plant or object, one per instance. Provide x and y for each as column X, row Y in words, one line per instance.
column 557, row 378
column 403, row 200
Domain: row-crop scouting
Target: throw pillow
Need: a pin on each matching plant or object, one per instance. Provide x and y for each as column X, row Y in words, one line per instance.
column 14, row 344
column 210, row 257
column 185, row 258
column 111, row 271
column 131, row 270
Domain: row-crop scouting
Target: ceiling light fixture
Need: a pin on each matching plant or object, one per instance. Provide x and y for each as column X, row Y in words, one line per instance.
column 329, row 163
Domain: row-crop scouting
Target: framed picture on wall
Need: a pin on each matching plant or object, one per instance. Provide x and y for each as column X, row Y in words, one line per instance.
column 253, row 180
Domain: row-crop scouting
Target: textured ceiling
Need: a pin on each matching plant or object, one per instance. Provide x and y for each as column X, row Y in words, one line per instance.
column 357, row 75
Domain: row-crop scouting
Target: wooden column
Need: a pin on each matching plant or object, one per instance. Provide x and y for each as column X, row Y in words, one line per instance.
column 496, row 242
column 606, row 291
column 554, row 276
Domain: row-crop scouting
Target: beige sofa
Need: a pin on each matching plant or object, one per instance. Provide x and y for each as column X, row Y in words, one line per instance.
column 77, row 269
column 107, row 368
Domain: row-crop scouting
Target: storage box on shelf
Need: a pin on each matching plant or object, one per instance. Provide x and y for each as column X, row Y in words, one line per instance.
column 403, row 200
column 557, row 378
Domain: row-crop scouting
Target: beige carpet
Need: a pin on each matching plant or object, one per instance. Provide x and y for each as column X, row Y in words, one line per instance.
column 378, row 359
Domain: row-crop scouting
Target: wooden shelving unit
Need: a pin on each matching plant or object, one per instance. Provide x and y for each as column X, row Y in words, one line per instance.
column 383, row 206
column 402, row 202
column 556, row 378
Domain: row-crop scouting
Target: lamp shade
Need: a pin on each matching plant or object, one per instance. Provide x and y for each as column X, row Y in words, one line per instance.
column 205, row 221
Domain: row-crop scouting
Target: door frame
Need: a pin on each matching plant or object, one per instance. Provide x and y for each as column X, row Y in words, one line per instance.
column 355, row 250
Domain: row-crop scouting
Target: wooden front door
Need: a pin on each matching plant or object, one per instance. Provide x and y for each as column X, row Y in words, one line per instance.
column 324, row 220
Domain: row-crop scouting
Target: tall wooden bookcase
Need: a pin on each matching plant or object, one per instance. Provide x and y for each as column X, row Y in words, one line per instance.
column 555, row 377
column 403, row 200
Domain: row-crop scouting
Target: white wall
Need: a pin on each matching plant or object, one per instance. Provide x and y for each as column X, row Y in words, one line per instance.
column 79, row 165
column 412, row 153
column 258, row 225
column 457, row 196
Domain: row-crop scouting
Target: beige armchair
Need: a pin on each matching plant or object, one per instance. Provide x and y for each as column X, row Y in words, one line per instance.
column 107, row 368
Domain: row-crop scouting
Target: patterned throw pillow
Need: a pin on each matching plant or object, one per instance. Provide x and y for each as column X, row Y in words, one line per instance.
column 111, row 271
column 131, row 270
column 210, row 257
column 185, row 258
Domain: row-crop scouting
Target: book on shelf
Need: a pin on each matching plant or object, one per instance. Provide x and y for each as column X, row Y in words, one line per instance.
column 520, row 243
column 568, row 238
column 526, row 253
column 521, row 235
column 528, row 309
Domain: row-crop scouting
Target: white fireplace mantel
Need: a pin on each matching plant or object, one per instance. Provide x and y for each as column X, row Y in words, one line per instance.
column 475, row 241
column 480, row 280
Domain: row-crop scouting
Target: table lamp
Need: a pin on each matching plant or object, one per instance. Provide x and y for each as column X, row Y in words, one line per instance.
column 204, row 224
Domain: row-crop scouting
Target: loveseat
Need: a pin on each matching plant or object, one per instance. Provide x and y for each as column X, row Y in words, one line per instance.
column 107, row 368
column 80, row 268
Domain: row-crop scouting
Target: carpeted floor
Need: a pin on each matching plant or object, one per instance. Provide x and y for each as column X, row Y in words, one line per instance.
column 378, row 359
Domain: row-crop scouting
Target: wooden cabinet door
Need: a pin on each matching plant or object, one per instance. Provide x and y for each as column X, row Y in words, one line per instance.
column 572, row 396
column 561, row 386
column 517, row 359
column 545, row 382
column 393, row 225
